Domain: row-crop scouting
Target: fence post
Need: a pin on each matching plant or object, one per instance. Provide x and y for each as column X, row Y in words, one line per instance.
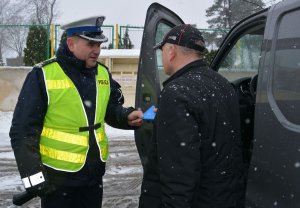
column 52, row 40
column 117, row 36
column 56, row 38
column 113, row 35
column 48, row 43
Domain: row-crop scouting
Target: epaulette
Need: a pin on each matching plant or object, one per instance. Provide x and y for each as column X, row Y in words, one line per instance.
column 103, row 65
column 46, row 62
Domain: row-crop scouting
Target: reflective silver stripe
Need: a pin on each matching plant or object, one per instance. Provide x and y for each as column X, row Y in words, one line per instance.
column 33, row 180
column 37, row 179
column 26, row 182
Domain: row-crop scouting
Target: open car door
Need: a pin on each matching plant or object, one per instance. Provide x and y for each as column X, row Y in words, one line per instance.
column 159, row 20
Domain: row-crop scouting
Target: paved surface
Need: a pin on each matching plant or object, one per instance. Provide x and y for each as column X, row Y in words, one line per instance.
column 121, row 182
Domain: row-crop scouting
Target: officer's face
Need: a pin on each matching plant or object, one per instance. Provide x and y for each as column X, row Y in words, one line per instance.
column 84, row 50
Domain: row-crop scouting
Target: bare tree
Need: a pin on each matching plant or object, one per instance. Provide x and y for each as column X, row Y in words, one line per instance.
column 3, row 7
column 42, row 11
column 14, row 36
column 8, row 14
column 17, row 39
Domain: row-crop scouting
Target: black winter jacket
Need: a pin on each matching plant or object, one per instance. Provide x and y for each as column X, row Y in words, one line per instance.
column 31, row 108
column 197, row 144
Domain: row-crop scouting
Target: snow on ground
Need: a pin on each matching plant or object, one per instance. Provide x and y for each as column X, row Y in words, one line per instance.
column 6, row 153
column 5, row 123
column 11, row 183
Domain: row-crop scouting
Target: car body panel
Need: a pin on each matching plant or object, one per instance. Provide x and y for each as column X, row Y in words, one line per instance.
column 148, row 83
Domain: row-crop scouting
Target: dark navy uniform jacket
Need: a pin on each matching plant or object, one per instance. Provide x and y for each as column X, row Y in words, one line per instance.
column 30, row 111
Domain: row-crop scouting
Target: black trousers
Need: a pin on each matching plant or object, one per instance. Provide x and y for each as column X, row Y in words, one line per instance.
column 150, row 194
column 74, row 197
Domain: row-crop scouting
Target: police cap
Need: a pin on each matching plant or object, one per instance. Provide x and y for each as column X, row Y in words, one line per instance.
column 88, row 28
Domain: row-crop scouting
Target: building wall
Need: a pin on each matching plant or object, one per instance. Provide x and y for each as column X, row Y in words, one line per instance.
column 11, row 81
column 123, row 70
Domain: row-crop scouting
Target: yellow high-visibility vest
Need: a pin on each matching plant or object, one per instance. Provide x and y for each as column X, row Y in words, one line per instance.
column 63, row 144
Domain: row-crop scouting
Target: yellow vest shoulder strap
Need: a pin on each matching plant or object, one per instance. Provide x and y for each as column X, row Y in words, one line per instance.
column 46, row 62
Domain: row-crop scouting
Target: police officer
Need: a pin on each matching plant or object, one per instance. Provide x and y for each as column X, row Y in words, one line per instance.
column 58, row 133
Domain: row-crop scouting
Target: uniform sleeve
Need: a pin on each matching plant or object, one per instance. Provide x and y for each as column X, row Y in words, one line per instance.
column 116, row 114
column 27, row 124
column 178, row 146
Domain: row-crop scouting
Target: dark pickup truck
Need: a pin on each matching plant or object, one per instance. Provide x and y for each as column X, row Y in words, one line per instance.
column 261, row 57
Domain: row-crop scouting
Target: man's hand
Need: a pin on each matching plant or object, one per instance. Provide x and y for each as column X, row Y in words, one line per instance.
column 135, row 118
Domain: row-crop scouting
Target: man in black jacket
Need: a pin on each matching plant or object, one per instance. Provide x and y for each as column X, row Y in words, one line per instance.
column 57, row 131
column 196, row 131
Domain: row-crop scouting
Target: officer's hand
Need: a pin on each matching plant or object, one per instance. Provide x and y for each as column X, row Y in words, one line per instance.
column 135, row 118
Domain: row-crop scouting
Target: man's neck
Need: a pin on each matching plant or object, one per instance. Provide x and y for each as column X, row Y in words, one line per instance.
column 180, row 63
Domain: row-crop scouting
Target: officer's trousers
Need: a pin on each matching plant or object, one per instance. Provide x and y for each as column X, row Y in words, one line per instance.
column 74, row 197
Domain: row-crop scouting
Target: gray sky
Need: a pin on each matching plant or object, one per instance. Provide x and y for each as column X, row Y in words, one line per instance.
column 131, row 12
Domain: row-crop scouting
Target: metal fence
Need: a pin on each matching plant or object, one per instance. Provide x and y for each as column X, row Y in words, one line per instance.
column 13, row 39
column 212, row 37
column 108, row 31
column 135, row 34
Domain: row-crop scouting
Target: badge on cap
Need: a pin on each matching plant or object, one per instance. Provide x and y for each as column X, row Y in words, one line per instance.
column 99, row 21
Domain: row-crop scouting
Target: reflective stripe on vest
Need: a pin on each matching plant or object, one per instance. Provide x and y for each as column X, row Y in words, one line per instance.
column 62, row 146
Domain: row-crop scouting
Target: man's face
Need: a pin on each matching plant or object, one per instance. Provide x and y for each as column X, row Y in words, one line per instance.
column 84, row 50
column 167, row 58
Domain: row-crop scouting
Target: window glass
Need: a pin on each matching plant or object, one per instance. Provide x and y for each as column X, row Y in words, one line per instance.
column 162, row 29
column 286, row 85
column 243, row 58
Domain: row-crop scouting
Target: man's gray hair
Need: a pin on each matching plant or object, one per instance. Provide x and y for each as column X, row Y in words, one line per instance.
column 187, row 51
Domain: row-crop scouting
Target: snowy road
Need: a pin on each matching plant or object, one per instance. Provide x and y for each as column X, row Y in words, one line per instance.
column 121, row 182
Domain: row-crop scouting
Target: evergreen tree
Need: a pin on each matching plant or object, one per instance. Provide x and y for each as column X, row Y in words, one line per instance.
column 63, row 38
column 110, row 46
column 224, row 14
column 1, row 62
column 126, row 40
column 36, row 46
column 209, row 55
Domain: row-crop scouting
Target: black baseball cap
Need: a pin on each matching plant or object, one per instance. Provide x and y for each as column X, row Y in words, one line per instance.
column 184, row 35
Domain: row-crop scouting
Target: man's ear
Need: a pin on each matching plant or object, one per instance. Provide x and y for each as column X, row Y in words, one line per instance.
column 71, row 44
column 172, row 52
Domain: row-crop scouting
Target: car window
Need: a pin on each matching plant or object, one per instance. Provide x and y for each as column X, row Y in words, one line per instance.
column 162, row 29
column 243, row 58
column 286, row 85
